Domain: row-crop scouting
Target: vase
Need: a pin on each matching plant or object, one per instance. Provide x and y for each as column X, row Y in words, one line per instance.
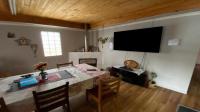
column 43, row 75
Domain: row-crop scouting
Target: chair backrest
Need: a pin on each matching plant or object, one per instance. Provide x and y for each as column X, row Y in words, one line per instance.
column 65, row 64
column 108, row 86
column 3, row 107
column 51, row 99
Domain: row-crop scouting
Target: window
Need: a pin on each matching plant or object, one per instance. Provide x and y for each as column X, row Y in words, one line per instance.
column 51, row 43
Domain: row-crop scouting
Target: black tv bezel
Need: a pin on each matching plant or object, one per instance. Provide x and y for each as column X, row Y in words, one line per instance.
column 158, row 51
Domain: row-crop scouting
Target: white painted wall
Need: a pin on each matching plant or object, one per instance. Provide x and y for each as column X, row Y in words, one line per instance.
column 174, row 65
column 16, row 59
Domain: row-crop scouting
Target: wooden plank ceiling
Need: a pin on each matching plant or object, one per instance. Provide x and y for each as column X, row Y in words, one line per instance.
column 98, row 13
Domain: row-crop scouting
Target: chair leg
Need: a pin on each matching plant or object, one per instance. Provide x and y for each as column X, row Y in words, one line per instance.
column 87, row 99
column 64, row 108
column 68, row 107
column 99, row 107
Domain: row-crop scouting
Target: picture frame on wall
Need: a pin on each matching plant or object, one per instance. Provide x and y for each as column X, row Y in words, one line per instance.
column 23, row 41
column 11, row 35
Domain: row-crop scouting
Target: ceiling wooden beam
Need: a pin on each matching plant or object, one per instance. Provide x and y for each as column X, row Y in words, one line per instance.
column 41, row 20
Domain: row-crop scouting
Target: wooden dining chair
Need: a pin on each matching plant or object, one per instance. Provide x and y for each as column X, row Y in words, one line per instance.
column 3, row 107
column 53, row 98
column 105, row 88
column 65, row 64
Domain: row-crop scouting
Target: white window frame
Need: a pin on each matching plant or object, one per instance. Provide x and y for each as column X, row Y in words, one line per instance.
column 51, row 44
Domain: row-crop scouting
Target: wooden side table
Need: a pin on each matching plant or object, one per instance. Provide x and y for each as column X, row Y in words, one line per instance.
column 131, row 77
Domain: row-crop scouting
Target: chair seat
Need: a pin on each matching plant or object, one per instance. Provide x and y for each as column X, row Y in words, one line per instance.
column 94, row 92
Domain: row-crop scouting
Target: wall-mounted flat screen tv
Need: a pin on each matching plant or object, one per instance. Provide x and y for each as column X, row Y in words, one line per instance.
column 142, row 40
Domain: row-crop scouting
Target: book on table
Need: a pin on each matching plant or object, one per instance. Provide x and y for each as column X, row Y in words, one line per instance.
column 26, row 82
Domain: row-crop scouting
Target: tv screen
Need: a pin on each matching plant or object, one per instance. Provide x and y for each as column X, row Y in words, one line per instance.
column 143, row 40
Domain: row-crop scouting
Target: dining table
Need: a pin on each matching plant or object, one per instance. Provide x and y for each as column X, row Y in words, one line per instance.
column 83, row 77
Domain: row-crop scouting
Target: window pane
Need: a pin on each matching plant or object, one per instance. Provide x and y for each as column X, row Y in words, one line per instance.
column 51, row 43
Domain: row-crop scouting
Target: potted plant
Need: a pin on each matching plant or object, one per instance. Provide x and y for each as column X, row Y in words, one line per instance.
column 41, row 67
column 152, row 82
column 102, row 40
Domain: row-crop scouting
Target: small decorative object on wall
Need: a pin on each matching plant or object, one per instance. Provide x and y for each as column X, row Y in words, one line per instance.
column 102, row 40
column 11, row 35
column 174, row 42
column 41, row 67
column 23, row 41
column 34, row 48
